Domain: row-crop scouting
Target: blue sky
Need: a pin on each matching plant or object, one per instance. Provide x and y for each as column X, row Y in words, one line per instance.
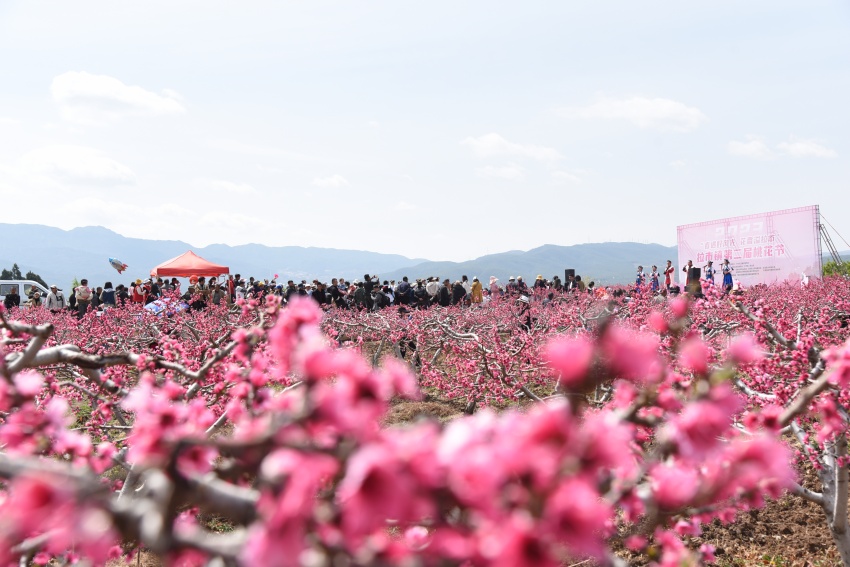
column 442, row 130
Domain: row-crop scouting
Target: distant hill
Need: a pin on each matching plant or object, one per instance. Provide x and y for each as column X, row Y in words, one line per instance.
column 60, row 256
column 604, row 263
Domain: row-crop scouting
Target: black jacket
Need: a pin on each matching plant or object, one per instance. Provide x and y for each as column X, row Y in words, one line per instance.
column 12, row 300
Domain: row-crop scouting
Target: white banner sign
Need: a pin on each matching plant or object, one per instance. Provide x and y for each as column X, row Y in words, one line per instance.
column 763, row 248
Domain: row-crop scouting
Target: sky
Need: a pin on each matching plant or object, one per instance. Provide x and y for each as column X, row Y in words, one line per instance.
column 440, row 130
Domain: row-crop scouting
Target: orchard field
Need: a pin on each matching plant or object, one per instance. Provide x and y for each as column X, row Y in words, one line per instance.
column 590, row 430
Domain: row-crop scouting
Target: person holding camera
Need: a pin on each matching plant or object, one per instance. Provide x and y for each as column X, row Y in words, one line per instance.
column 55, row 301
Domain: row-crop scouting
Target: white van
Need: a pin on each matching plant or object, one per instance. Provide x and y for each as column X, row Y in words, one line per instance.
column 25, row 289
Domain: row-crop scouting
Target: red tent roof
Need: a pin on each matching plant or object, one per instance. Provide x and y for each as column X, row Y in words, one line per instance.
column 188, row 264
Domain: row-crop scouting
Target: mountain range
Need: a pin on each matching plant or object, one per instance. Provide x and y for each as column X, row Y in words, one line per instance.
column 62, row 255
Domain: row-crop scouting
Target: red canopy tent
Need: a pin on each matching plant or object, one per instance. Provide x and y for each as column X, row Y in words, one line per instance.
column 188, row 264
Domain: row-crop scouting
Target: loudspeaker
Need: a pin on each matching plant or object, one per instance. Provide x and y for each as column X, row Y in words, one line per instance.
column 694, row 275
column 569, row 272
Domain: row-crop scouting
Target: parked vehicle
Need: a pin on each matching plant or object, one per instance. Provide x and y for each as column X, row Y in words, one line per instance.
column 25, row 288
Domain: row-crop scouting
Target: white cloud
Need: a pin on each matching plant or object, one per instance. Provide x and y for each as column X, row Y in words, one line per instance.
column 753, row 149
column 7, row 120
column 511, row 172
column 493, row 145
column 806, row 148
column 566, row 177
column 237, row 222
column 404, row 206
column 77, row 165
column 645, row 113
column 224, row 186
column 86, row 98
column 334, row 181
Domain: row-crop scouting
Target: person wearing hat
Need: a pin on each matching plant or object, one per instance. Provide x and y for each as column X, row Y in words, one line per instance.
column 55, row 301
column 35, row 300
column 137, row 292
column 539, row 283
column 523, row 315
column 432, row 287
column 511, row 287
column 521, row 287
column 494, row 286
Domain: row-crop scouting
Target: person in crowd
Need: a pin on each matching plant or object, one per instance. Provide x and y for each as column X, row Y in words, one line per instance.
column 458, row 293
column 539, row 283
column 137, row 292
column 149, row 296
column 581, row 287
column 432, row 287
column 523, row 314
column 232, row 281
column 95, row 298
column 83, row 294
column 122, row 296
column 557, row 284
column 404, row 295
column 521, row 286
column 107, row 296
column 548, row 299
column 668, row 275
column 640, row 277
column 319, row 294
column 654, row 279
column 420, row 295
column 55, row 300
column 218, row 294
column 35, row 300
column 156, row 288
column 467, row 285
column 570, row 286
column 380, row 300
column 687, row 269
column 360, row 295
column 477, row 293
column 709, row 272
column 727, row 276
column 494, row 287
column 444, row 297
column 194, row 299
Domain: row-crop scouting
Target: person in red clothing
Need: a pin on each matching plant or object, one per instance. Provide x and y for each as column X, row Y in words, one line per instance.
column 138, row 293
column 231, row 287
column 668, row 274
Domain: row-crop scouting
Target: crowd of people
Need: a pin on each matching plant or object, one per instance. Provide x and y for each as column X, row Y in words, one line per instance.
column 368, row 293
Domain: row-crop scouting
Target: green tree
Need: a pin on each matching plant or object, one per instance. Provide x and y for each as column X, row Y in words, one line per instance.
column 832, row 268
column 15, row 274
column 36, row 278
